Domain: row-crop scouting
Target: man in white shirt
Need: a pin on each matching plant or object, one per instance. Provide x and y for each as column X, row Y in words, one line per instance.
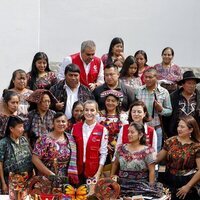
column 70, row 90
column 91, row 67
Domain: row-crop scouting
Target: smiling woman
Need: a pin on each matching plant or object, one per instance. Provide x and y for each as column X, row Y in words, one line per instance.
column 55, row 153
column 40, row 76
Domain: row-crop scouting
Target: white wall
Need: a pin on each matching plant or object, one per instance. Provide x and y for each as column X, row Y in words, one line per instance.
column 19, row 36
column 58, row 28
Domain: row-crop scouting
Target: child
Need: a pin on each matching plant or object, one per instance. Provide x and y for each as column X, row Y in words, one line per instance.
column 129, row 73
column 91, row 139
column 77, row 114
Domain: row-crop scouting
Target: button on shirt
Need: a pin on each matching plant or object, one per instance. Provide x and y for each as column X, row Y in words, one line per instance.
column 72, row 96
column 148, row 98
column 87, row 130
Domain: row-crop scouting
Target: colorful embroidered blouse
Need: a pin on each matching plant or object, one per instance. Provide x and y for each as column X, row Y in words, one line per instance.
column 173, row 73
column 133, row 82
column 181, row 158
column 54, row 154
column 44, row 82
column 15, row 157
column 134, row 164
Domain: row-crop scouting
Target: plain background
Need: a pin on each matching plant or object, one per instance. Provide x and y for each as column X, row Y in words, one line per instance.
column 58, row 27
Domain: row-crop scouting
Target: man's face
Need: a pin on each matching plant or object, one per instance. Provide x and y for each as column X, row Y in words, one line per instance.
column 88, row 55
column 150, row 79
column 189, row 86
column 72, row 79
column 111, row 76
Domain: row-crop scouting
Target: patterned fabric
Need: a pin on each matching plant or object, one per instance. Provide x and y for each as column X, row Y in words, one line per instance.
column 187, row 107
column 133, row 173
column 15, row 157
column 44, row 82
column 172, row 73
column 3, row 122
column 133, row 82
column 58, row 156
column 148, row 98
column 59, row 92
column 135, row 162
column 36, row 96
column 37, row 125
column 181, row 157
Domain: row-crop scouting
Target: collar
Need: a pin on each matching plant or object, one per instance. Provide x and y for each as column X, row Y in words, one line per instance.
column 89, row 126
column 83, row 60
column 158, row 88
column 117, row 88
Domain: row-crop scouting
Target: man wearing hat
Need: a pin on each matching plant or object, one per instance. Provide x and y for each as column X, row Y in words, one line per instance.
column 185, row 101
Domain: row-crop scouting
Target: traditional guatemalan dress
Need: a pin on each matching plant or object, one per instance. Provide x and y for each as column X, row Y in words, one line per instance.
column 181, row 165
column 58, row 156
column 133, row 172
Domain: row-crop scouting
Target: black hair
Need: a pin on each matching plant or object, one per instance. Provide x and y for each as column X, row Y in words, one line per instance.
column 12, row 122
column 108, row 66
column 142, row 53
column 8, row 94
column 130, row 60
column 166, row 49
column 140, row 129
column 114, row 41
column 118, row 108
column 14, row 74
column 76, row 103
column 72, row 68
column 34, row 71
column 57, row 115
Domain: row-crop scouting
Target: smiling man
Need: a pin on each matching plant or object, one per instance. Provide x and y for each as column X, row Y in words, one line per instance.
column 91, row 67
column 70, row 90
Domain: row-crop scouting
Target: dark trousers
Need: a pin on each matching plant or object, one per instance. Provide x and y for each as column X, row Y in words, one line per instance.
column 176, row 182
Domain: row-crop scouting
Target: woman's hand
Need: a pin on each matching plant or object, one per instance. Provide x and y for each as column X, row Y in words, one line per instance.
column 182, row 192
column 4, row 188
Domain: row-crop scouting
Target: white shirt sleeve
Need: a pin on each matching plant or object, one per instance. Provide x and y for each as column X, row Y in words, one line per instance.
column 103, row 149
column 154, row 141
column 61, row 70
column 119, row 139
column 100, row 78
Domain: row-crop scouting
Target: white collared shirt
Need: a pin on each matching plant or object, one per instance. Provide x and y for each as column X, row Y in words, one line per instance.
column 87, row 130
column 68, row 60
column 72, row 96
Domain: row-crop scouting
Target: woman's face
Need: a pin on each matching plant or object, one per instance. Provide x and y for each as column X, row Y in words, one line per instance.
column 17, row 131
column 133, row 134
column 132, row 70
column 41, row 65
column 44, row 105
column 183, row 130
column 138, row 114
column 140, row 60
column 78, row 112
column 111, row 103
column 20, row 81
column 13, row 104
column 60, row 124
column 117, row 49
column 167, row 56
column 90, row 112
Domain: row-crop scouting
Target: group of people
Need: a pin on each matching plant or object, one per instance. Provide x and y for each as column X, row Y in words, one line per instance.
column 109, row 116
